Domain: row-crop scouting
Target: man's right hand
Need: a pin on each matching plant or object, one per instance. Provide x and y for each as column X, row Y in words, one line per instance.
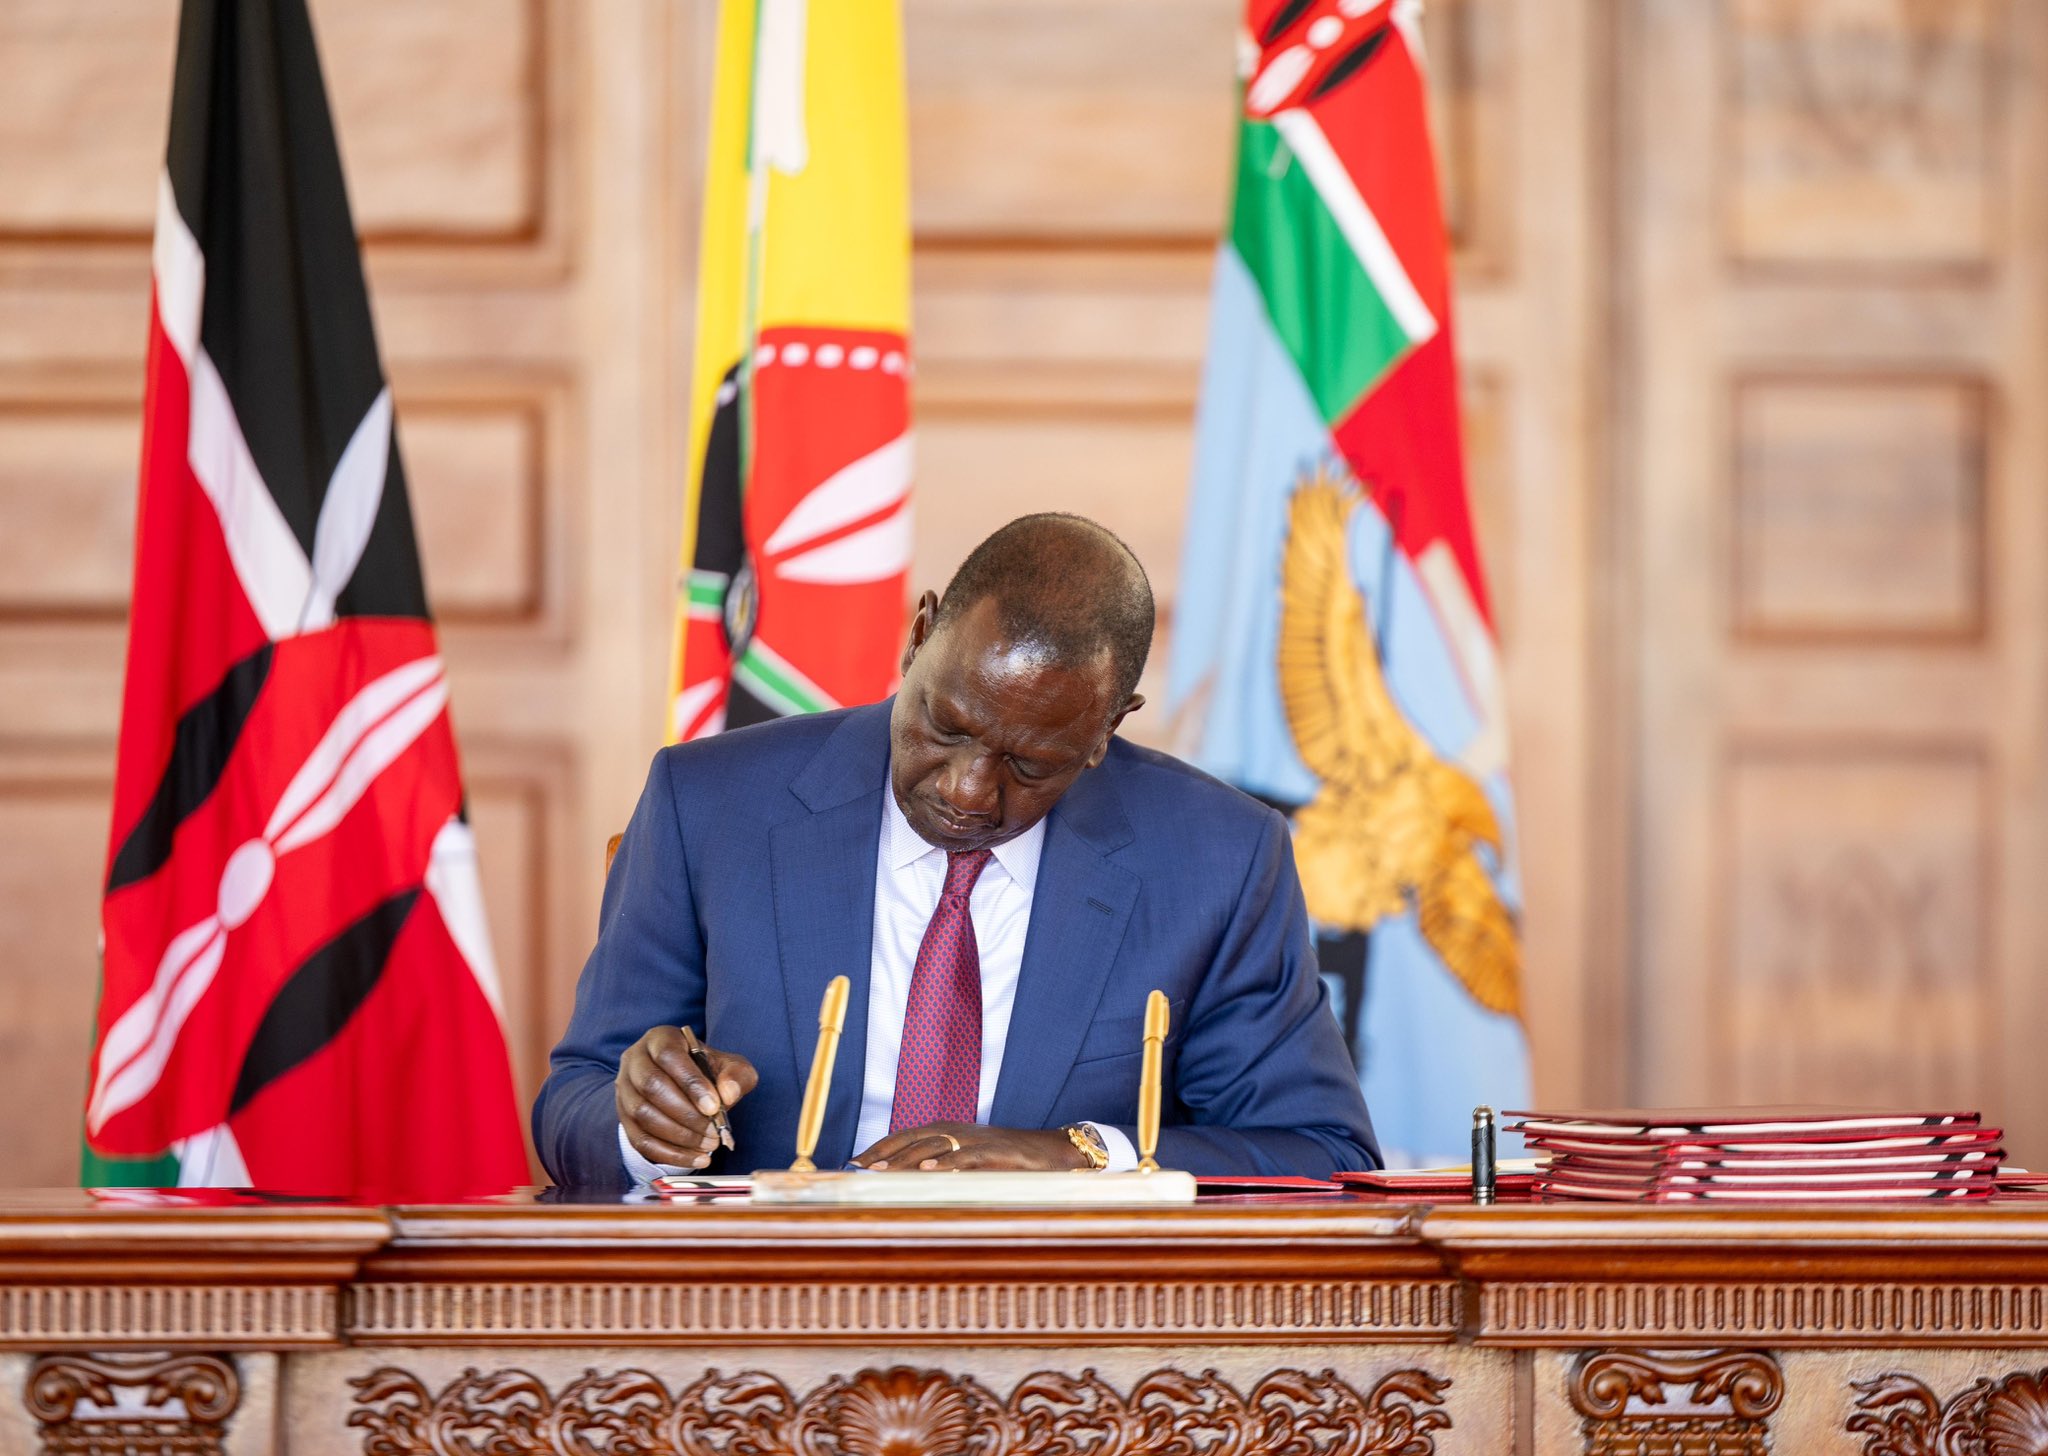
column 666, row 1105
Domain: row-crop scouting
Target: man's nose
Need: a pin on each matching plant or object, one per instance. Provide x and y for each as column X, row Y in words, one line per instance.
column 969, row 785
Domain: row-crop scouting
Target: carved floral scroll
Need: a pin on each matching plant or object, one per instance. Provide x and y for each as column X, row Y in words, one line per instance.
column 113, row 1405
column 900, row 1411
column 1996, row 1416
column 1628, row 1409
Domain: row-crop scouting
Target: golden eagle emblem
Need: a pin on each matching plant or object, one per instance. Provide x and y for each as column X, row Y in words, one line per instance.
column 1393, row 825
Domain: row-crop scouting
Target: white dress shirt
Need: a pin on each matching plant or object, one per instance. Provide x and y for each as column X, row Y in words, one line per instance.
column 909, row 876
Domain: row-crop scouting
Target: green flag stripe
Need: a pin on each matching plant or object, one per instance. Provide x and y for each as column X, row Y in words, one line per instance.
column 707, row 588
column 704, row 595
column 1324, row 307
column 99, row 1171
column 769, row 676
column 1348, row 209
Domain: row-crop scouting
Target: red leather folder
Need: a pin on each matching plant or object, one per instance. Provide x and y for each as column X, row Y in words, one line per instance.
column 1818, row 1158
column 1761, row 1154
column 1855, row 1178
column 1415, row 1183
column 1566, row 1189
column 1652, row 1124
column 1256, row 1183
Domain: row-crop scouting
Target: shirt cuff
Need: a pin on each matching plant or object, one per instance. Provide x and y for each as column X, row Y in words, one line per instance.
column 640, row 1170
column 1123, row 1158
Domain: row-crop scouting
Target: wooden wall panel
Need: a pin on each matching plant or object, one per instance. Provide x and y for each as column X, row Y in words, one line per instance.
column 67, row 495
column 82, row 115
column 1074, row 317
column 1860, row 508
column 488, row 461
column 1857, row 965
column 425, row 158
column 476, row 483
column 1864, row 131
column 1489, row 478
column 1831, row 302
column 53, row 853
column 1064, row 119
column 517, row 810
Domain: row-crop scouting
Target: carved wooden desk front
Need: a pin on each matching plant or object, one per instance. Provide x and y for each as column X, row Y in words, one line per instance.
column 1307, row 1328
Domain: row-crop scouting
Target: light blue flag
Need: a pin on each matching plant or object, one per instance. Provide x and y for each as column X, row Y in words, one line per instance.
column 1332, row 649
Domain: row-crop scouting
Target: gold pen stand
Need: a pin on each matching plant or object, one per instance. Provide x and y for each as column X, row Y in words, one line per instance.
column 803, row 1183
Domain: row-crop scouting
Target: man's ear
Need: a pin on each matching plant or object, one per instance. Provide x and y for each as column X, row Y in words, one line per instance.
column 1102, row 749
column 921, row 624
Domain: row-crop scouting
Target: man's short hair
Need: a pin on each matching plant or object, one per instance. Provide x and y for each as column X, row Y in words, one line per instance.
column 1065, row 583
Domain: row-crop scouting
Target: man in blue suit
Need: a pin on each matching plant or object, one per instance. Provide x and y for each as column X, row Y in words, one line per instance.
column 1003, row 880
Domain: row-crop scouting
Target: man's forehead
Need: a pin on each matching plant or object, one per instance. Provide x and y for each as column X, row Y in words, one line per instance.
column 982, row 641
column 1015, row 655
column 1024, row 698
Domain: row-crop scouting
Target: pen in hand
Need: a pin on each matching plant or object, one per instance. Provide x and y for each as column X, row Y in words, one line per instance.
column 718, row 1120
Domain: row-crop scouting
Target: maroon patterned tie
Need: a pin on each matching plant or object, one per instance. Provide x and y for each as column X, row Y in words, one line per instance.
column 938, row 1074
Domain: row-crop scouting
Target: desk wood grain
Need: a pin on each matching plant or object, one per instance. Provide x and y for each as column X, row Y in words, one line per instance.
column 1333, row 1326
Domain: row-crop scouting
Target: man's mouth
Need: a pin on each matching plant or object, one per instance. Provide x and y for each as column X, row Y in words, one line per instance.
column 955, row 826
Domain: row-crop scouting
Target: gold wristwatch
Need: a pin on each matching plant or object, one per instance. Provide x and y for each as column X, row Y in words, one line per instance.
column 1089, row 1141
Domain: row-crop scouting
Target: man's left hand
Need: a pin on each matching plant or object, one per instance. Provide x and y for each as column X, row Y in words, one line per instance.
column 942, row 1146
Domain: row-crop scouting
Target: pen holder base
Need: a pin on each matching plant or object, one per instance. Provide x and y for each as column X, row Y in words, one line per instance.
column 975, row 1189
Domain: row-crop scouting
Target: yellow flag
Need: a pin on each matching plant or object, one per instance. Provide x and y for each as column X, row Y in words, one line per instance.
column 797, row 534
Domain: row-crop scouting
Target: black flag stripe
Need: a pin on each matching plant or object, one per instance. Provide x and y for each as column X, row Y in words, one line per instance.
column 315, row 1003
column 257, row 177
column 1349, row 64
column 388, row 581
column 722, row 537
column 721, row 544
column 200, row 749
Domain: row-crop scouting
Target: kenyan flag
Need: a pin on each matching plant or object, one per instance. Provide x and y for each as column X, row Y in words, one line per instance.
column 298, row 990
column 1333, row 648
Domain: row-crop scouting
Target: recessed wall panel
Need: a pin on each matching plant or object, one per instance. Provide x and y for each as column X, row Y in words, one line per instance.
column 1857, row 967
column 1863, row 132
column 68, row 477
column 435, row 103
column 53, row 855
column 1860, row 507
column 1065, row 117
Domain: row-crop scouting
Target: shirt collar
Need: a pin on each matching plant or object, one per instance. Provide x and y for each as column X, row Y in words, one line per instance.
column 901, row 845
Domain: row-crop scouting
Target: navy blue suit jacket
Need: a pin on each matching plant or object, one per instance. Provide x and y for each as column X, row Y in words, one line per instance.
column 746, row 881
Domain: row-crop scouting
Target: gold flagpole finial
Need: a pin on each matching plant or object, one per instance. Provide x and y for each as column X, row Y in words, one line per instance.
column 1157, row 1015
column 811, row 1121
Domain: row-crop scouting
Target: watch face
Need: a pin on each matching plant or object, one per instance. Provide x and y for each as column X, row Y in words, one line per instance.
column 1090, row 1141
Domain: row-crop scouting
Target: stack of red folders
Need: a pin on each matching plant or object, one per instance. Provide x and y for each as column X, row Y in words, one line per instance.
column 1760, row 1154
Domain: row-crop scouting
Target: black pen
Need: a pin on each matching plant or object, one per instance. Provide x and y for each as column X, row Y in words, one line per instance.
column 696, row 1050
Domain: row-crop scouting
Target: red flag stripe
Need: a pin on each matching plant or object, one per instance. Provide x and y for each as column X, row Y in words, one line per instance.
column 377, row 725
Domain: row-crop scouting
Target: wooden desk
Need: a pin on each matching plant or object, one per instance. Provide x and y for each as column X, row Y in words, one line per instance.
column 1308, row 1328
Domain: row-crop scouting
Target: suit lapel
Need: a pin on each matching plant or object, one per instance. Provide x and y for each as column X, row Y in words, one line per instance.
column 1079, row 910
column 824, row 870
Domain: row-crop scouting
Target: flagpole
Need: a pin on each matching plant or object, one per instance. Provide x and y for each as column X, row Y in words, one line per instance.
column 757, row 229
